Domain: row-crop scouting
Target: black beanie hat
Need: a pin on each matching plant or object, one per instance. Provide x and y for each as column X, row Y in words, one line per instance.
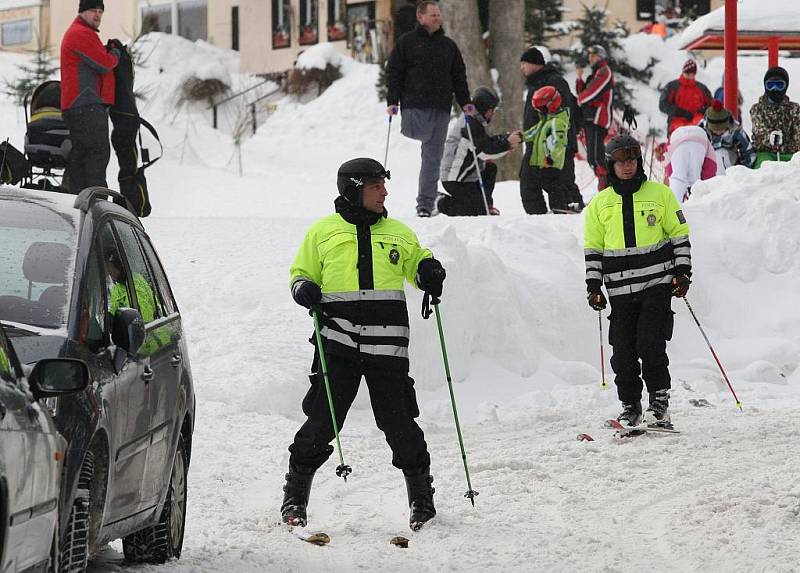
column 90, row 5
column 532, row 56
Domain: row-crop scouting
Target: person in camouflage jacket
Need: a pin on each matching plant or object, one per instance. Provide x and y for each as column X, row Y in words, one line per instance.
column 776, row 120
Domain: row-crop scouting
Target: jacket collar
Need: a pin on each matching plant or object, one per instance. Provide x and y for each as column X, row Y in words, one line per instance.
column 536, row 76
column 425, row 34
column 83, row 23
column 357, row 215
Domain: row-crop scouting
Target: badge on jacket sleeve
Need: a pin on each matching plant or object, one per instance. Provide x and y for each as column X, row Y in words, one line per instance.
column 394, row 256
column 681, row 218
column 651, row 220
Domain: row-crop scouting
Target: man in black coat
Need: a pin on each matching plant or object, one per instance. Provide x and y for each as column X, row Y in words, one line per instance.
column 424, row 71
column 537, row 75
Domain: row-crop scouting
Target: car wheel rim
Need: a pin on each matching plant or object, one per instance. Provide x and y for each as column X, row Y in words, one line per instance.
column 178, row 497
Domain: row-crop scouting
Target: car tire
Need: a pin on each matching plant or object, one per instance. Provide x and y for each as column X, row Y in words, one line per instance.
column 164, row 540
column 75, row 541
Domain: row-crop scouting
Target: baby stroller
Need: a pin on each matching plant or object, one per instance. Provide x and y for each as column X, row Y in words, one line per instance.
column 47, row 143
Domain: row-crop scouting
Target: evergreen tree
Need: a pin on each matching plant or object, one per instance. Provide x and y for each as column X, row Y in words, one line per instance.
column 31, row 74
column 541, row 21
column 595, row 30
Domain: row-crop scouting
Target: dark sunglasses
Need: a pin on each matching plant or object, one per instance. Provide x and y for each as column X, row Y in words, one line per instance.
column 775, row 85
column 626, row 153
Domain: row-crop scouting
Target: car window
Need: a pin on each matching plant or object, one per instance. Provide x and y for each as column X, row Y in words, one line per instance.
column 161, row 278
column 36, row 261
column 149, row 304
column 94, row 312
column 118, row 292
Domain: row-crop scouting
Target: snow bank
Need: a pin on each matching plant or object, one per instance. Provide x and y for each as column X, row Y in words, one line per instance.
column 752, row 15
column 321, row 56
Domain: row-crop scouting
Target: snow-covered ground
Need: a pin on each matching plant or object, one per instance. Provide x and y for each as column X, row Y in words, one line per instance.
column 721, row 496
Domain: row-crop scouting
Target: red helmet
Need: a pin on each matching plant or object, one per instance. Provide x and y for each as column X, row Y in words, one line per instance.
column 547, row 98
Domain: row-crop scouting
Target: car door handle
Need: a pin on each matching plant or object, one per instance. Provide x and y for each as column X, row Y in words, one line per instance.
column 148, row 374
column 176, row 360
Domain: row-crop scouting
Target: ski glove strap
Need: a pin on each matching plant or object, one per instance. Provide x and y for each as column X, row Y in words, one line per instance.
column 427, row 300
column 680, row 285
column 597, row 300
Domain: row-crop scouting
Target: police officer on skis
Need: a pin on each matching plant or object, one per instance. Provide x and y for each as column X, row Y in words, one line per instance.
column 636, row 240
column 351, row 268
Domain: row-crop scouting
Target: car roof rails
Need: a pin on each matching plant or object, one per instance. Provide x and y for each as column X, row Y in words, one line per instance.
column 90, row 194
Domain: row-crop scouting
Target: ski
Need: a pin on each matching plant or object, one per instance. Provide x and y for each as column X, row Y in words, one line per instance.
column 623, row 431
column 314, row 538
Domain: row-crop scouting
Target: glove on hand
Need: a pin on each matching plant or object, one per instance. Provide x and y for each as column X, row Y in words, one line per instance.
column 685, row 114
column 114, row 44
column 629, row 117
column 430, row 276
column 680, row 285
column 597, row 300
column 306, row 293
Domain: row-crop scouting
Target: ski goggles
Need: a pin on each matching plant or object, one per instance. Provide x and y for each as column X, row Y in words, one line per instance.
column 626, row 153
column 775, row 85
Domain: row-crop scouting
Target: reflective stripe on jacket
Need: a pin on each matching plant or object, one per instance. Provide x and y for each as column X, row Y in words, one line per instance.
column 361, row 270
column 635, row 242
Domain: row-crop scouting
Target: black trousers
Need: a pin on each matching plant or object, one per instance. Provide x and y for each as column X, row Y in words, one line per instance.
column 595, row 145
column 91, row 150
column 465, row 197
column 557, row 183
column 640, row 327
column 394, row 405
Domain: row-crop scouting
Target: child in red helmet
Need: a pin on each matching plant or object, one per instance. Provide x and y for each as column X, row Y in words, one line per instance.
column 548, row 141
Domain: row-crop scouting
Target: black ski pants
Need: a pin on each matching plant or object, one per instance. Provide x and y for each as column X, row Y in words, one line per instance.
column 394, row 405
column 556, row 182
column 91, row 150
column 640, row 327
column 465, row 197
column 595, row 145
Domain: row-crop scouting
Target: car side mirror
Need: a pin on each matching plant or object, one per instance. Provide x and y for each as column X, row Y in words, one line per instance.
column 127, row 331
column 53, row 377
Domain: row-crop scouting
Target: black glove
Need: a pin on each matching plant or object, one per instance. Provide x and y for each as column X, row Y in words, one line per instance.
column 629, row 117
column 685, row 114
column 597, row 300
column 115, row 44
column 680, row 285
column 430, row 277
column 306, row 293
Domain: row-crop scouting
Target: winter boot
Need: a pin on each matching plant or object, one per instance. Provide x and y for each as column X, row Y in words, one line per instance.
column 631, row 414
column 420, row 496
column 657, row 413
column 296, row 492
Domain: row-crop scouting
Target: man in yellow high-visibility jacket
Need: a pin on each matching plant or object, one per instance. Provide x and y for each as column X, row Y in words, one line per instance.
column 351, row 267
column 636, row 240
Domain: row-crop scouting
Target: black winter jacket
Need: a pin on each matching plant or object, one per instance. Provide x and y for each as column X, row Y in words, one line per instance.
column 425, row 70
column 549, row 76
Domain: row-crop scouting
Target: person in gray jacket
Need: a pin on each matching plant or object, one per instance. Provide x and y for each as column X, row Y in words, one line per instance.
column 423, row 73
column 463, row 194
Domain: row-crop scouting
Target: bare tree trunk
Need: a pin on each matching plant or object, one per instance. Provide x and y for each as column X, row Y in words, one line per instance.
column 507, row 27
column 461, row 23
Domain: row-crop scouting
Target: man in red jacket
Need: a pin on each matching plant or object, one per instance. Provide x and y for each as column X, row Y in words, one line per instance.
column 595, row 96
column 684, row 100
column 87, row 89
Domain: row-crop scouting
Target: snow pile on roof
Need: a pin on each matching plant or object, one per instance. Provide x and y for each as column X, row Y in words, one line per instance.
column 753, row 15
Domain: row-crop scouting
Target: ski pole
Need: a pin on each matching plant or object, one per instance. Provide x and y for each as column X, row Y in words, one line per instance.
column 475, row 160
column 714, row 354
column 342, row 470
column 603, row 385
column 388, row 135
column 471, row 493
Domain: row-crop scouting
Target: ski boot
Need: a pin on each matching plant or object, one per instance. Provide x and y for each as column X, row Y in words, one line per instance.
column 631, row 414
column 296, row 492
column 420, row 497
column 657, row 413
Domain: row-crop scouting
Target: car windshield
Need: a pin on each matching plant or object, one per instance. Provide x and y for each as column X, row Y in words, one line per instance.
column 37, row 253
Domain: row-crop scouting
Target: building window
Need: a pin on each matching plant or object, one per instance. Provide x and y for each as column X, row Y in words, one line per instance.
column 337, row 20
column 193, row 19
column 309, row 21
column 235, row 28
column 17, row 32
column 646, row 10
column 695, row 8
column 281, row 23
column 157, row 18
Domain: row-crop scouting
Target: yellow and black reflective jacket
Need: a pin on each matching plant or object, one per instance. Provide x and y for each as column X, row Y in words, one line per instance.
column 635, row 241
column 361, row 269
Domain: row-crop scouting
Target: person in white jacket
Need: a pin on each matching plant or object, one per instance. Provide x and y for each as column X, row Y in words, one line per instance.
column 690, row 157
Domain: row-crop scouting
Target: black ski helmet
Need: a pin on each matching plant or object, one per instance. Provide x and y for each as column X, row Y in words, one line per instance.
column 776, row 73
column 622, row 146
column 353, row 174
column 485, row 99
